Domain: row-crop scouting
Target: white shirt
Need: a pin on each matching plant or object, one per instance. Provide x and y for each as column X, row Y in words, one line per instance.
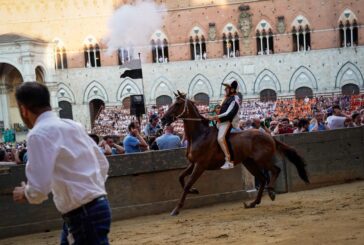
column 64, row 160
column 334, row 122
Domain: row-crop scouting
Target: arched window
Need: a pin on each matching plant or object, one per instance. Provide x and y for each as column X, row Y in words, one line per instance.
column 301, row 34
column 303, row 92
column 202, row 99
column 60, row 55
column 126, row 103
column 95, row 105
column 350, row 89
column 348, row 29
column 264, row 34
column 125, row 55
column 268, row 95
column 163, row 100
column 66, row 110
column 197, row 44
column 92, row 53
column 159, row 45
column 231, row 45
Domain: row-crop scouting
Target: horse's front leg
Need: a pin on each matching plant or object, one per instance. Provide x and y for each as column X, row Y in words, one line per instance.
column 196, row 174
column 185, row 173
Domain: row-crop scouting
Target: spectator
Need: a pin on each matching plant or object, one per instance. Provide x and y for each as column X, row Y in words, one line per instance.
column 258, row 124
column 302, row 126
column 242, row 124
column 109, row 147
column 283, row 127
column 133, row 142
column 152, row 128
column 357, row 122
column 168, row 140
column 317, row 123
column 336, row 120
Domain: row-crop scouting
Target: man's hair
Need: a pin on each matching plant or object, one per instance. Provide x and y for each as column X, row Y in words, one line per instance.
column 34, row 96
column 285, row 120
column 131, row 125
column 336, row 107
column 95, row 138
column 107, row 137
column 355, row 115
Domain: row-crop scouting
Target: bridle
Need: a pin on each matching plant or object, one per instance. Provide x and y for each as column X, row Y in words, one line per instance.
column 185, row 109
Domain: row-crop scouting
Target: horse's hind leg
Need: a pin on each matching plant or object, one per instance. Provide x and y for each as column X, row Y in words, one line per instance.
column 185, row 173
column 275, row 170
column 196, row 173
column 254, row 170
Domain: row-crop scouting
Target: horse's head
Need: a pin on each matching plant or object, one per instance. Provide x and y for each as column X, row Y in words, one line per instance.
column 175, row 110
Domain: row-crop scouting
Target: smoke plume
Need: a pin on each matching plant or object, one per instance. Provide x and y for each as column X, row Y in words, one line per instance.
column 133, row 25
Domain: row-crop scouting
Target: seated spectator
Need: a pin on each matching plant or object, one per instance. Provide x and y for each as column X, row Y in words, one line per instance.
column 152, row 128
column 356, row 119
column 109, row 147
column 302, row 126
column 337, row 119
column 168, row 140
column 317, row 123
column 283, row 127
column 134, row 142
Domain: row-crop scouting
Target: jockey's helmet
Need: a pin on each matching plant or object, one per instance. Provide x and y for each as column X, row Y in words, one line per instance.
column 231, row 83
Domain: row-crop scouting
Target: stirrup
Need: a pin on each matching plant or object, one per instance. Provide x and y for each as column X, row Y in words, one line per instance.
column 227, row 165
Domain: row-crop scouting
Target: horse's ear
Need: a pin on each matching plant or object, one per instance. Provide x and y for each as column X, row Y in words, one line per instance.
column 175, row 94
column 179, row 93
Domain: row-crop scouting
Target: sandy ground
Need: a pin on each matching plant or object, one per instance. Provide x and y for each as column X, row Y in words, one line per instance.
column 331, row 215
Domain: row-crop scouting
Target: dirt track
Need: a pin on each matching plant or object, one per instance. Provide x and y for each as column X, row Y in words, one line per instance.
column 332, row 215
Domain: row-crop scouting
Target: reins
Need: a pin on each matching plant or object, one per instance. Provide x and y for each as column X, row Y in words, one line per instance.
column 185, row 109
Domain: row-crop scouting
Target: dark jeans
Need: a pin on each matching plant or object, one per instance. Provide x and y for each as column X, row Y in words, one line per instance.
column 89, row 224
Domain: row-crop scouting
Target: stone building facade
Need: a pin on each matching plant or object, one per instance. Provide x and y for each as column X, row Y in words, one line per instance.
column 272, row 47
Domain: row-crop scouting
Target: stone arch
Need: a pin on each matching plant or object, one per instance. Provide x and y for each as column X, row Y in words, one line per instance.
column 95, row 91
column 303, row 77
column 267, row 80
column 127, row 87
column 64, row 93
column 349, row 73
column 162, row 86
column 299, row 21
column 200, row 84
column 238, row 78
column 347, row 15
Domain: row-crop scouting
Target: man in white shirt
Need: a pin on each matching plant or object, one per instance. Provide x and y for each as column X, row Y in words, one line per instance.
column 64, row 160
column 337, row 119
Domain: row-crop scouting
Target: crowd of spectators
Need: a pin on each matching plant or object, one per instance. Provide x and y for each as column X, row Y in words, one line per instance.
column 117, row 132
column 13, row 152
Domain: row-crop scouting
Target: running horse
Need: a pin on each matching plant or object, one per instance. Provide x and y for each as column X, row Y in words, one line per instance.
column 254, row 149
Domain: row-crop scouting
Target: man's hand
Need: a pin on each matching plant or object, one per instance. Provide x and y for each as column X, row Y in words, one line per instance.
column 135, row 131
column 212, row 118
column 18, row 193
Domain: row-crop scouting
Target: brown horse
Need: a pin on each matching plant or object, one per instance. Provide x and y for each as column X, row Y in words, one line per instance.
column 253, row 148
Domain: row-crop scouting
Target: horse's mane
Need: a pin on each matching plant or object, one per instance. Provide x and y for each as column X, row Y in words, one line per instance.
column 204, row 121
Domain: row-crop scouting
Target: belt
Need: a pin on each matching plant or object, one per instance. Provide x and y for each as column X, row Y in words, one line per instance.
column 84, row 206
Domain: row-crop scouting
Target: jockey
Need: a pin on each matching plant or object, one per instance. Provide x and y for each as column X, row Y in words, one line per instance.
column 227, row 118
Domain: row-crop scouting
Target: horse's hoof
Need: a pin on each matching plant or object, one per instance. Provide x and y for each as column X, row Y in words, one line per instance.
column 272, row 195
column 194, row 191
column 251, row 205
column 175, row 212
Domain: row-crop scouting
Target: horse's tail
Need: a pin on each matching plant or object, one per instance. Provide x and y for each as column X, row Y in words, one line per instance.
column 295, row 158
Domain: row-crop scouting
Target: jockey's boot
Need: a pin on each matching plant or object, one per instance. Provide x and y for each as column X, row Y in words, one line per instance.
column 227, row 165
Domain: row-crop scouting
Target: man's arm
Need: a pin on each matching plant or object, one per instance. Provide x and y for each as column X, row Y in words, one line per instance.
column 39, row 170
column 119, row 149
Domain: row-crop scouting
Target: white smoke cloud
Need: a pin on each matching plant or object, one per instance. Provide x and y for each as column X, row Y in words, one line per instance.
column 133, row 25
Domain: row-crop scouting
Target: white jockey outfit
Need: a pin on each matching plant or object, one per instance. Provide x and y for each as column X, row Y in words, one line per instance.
column 228, row 118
